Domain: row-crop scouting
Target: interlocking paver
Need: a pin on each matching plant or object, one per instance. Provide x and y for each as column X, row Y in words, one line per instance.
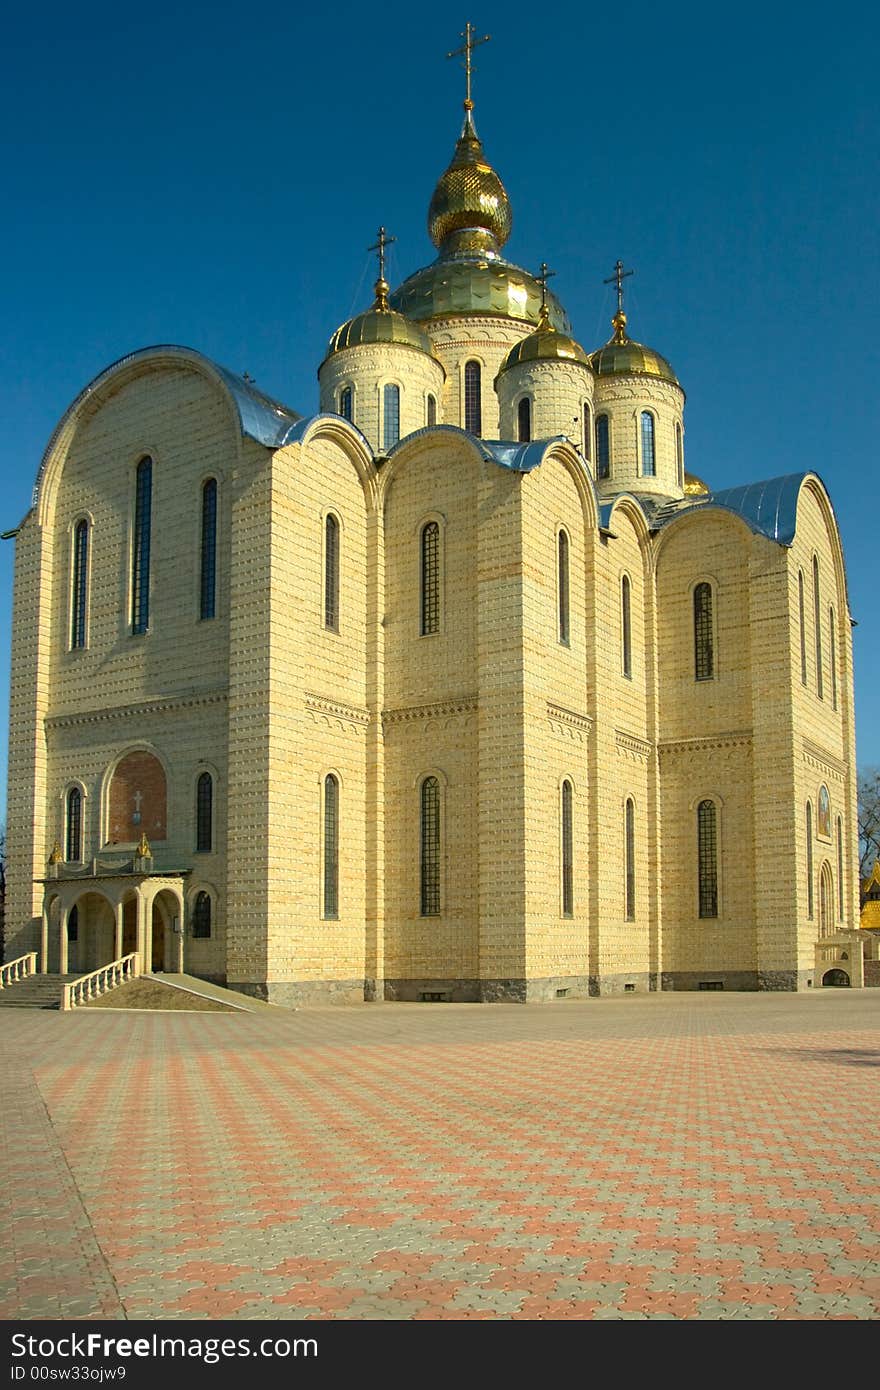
column 665, row 1157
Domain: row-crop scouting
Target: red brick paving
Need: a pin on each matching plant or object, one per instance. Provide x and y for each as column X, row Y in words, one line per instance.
column 672, row 1156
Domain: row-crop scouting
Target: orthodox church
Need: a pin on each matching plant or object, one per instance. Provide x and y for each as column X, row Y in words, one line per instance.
column 462, row 688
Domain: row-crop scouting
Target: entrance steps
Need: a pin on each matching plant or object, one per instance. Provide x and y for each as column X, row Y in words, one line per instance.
column 35, row 992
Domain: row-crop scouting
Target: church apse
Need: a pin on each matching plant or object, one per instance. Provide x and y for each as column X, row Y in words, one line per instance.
column 137, row 804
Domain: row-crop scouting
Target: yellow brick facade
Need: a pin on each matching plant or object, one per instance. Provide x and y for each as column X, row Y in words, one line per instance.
column 554, row 698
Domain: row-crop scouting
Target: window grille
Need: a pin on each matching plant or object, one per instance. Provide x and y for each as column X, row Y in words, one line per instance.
column 345, row 403
column 473, row 410
column 331, row 846
column 524, row 420
column 563, row 587
column 809, row 860
column 431, row 411
column 331, row 573
column 567, row 852
column 201, row 917
column 140, row 572
column 74, row 826
column 391, row 415
column 80, row 581
column 649, row 466
column 603, row 447
column 626, row 625
column 430, row 578
column 707, row 857
column 430, row 847
column 803, row 627
column 204, row 813
column 208, row 585
column 588, row 432
column 704, row 655
column 630, row 856
column 817, row 618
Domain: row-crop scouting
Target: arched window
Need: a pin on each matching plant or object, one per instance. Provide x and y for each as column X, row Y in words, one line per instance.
column 840, row 868
column 679, row 455
column 704, row 655
column 817, row 618
column 588, row 431
column 73, row 853
column 431, row 411
column 73, row 923
column 630, row 859
column 79, row 593
column 473, row 409
column 390, row 415
column 331, row 846
column 649, row 465
column 430, row 559
column 345, row 403
column 626, row 625
column 429, row 842
column 809, row 860
column 803, row 627
column 603, row 447
column 331, row 573
column 208, row 584
column 524, row 420
column 140, row 563
column 707, row 858
column 204, row 813
column 563, row 589
column 201, row 915
column 567, row 837
column 832, row 652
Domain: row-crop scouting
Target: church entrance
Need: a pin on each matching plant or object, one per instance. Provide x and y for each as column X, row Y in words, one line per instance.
column 129, row 927
column 836, row 977
column 157, row 961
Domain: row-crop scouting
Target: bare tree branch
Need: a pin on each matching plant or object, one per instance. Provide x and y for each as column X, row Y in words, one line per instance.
column 869, row 819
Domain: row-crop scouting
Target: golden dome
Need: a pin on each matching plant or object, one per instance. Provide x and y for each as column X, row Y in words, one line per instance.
column 694, row 486
column 380, row 324
column 622, row 357
column 470, row 197
column 546, row 344
column 475, row 284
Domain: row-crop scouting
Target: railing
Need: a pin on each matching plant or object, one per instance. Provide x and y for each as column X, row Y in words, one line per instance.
column 18, row 969
column 100, row 981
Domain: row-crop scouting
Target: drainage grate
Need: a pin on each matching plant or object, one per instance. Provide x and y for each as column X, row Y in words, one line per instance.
column 629, row 989
column 562, row 994
column 433, row 996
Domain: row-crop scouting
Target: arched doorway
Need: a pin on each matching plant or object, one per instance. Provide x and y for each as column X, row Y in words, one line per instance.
column 166, row 918
column 838, row 978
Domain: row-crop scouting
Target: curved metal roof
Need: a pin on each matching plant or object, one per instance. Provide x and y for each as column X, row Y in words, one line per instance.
column 770, row 508
column 518, row 458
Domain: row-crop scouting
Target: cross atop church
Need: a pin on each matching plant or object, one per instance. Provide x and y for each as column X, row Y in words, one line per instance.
column 467, row 48
column 545, row 274
column 618, row 278
column 382, row 240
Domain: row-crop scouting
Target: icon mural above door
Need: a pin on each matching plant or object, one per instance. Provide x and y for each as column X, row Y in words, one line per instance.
column 138, row 800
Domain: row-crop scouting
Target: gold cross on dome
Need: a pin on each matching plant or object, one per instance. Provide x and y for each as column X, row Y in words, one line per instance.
column 617, row 279
column 545, row 275
column 382, row 240
column 467, row 48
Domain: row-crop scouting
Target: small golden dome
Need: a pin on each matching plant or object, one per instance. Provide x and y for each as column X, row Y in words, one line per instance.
column 622, row 357
column 694, row 486
column 470, row 197
column 380, row 324
column 546, row 344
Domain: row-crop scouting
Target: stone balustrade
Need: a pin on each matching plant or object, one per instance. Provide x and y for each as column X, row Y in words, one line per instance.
column 99, row 982
column 18, row 969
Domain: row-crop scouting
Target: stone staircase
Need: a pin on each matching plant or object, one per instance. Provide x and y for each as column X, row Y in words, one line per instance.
column 35, row 992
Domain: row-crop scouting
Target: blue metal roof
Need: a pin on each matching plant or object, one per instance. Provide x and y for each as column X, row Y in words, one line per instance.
column 295, row 432
column 518, row 458
column 770, row 508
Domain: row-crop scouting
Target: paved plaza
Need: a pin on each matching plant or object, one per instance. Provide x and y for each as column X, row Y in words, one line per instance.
column 674, row 1156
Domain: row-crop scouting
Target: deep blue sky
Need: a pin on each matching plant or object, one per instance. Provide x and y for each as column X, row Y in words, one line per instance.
column 213, row 176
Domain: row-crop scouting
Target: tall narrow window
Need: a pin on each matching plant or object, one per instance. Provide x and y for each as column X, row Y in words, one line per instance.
column 707, row 858
column 331, row 846
column 803, row 627
column 431, row 411
column 809, row 860
column 80, row 581
column 73, row 923
column 390, row 415
column 204, row 813
column 201, row 915
column 603, row 447
column 429, row 840
column 832, row 654
column 630, row 860
column 817, row 618
column 840, row 868
column 524, row 420
column 331, row 573
column 430, row 578
column 208, row 586
column 679, row 455
column 74, row 826
column 563, row 589
column 704, row 655
column 626, row 625
column 588, row 432
column 140, row 566
column 649, row 465
column 567, row 851
column 345, row 403
column 473, row 410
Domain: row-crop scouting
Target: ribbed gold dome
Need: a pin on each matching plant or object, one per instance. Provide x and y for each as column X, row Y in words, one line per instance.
column 622, row 357
column 546, row 344
column 380, row 324
column 470, row 196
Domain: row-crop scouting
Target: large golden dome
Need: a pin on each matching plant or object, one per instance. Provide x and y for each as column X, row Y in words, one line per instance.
column 622, row 357
column 380, row 324
column 470, row 196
